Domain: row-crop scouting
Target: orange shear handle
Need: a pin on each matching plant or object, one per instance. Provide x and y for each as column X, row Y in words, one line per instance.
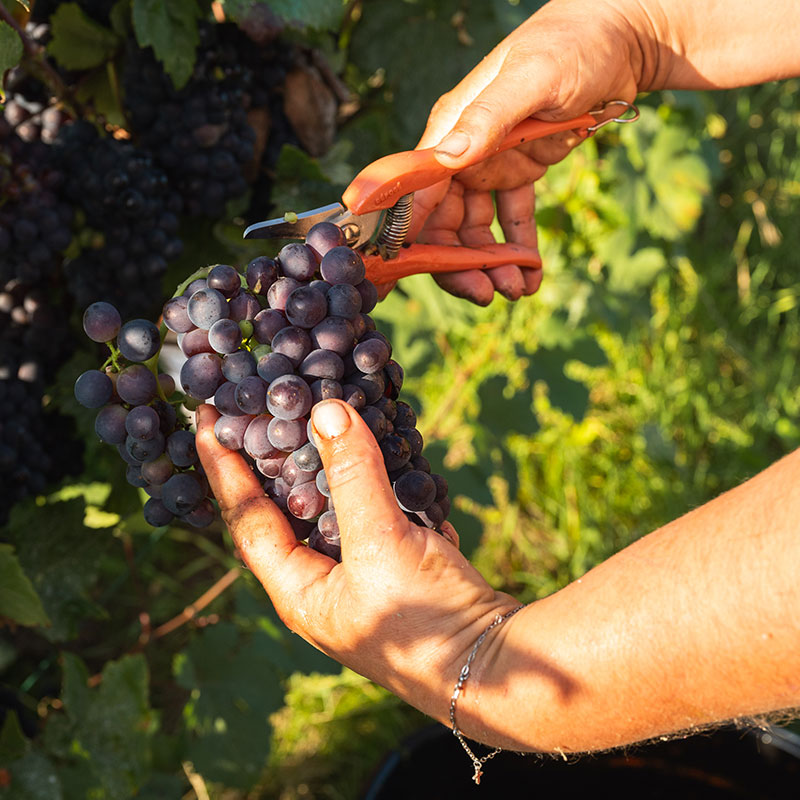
column 380, row 184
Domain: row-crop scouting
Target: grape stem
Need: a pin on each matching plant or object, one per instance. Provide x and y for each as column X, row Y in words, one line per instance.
column 198, row 273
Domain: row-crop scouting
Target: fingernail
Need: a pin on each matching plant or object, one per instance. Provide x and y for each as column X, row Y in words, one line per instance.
column 453, row 145
column 330, row 420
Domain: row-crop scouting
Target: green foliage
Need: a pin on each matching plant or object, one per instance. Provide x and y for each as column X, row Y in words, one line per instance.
column 18, row 599
column 315, row 14
column 10, row 47
column 79, row 42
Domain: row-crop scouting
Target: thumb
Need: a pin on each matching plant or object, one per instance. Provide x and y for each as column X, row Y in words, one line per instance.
column 521, row 88
column 366, row 509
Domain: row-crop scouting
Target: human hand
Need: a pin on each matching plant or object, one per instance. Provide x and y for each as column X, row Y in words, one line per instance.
column 404, row 607
column 568, row 58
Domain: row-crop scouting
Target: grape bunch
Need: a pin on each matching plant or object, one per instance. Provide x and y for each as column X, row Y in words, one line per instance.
column 131, row 219
column 265, row 346
column 137, row 413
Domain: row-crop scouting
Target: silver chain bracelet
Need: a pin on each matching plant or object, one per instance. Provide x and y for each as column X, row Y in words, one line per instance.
column 477, row 763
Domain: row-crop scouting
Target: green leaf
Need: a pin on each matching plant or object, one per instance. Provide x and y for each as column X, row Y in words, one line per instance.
column 61, row 557
column 13, row 744
column 234, row 689
column 171, row 30
column 10, row 47
column 18, row 599
column 315, row 14
column 79, row 42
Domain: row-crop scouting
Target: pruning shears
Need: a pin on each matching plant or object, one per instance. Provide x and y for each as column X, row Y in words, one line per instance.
column 376, row 209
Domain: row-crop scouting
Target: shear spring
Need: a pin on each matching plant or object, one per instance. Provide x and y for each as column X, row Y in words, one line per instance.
column 398, row 221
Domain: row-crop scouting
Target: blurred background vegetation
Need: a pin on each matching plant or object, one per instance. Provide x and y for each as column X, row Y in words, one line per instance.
column 655, row 368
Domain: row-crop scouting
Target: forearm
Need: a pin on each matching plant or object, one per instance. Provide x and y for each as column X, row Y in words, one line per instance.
column 697, row 623
column 714, row 44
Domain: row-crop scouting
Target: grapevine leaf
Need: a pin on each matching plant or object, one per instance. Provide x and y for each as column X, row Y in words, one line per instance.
column 10, row 48
column 18, row 599
column 79, row 42
column 106, row 731
column 171, row 30
column 315, row 14
column 234, row 689
column 13, row 744
column 98, row 90
column 61, row 557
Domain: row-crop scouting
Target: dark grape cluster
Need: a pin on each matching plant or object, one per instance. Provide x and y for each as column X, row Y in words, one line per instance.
column 134, row 413
column 266, row 346
column 131, row 219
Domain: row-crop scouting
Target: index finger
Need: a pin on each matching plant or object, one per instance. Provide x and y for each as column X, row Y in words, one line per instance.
column 259, row 529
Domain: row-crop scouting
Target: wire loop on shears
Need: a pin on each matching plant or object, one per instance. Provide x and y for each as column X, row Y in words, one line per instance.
column 629, row 107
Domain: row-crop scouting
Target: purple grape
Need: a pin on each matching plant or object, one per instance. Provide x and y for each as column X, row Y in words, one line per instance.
column 292, row 342
column 287, row 435
column 181, row 448
column 372, row 384
column 238, row 366
column 394, row 378
column 201, row 375
column 109, row 424
column 243, row 306
column 317, row 542
column 441, row 486
column 324, row 236
column 93, row 389
column 148, row 450
column 343, row 300
column 305, row 501
column 225, row 336
column 194, row 342
column 158, row 471
column 396, row 451
column 321, row 286
column 101, row 322
column 143, row 423
column 202, row 515
column 289, row 397
column 175, row 314
column 225, row 400
column 136, row 385
column 156, row 513
column 322, row 483
column 421, row 463
column 325, row 389
column 261, row 273
column 230, row 431
column 195, row 286
column 354, row 396
column 369, row 295
column 271, row 467
column 319, row 364
column 387, row 407
column 267, row 323
column 305, row 307
column 256, row 440
column 375, row 420
column 415, row 490
column 307, row 458
column 273, row 365
column 225, row 279
column 334, row 333
column 206, row 307
column 370, row 355
column 432, row 516
column 138, row 340
column 167, row 383
column 413, row 437
column 297, row 261
column 279, row 292
column 293, row 475
column 404, row 415
column 329, row 526
column 251, row 395
column 181, row 493
column 342, row 265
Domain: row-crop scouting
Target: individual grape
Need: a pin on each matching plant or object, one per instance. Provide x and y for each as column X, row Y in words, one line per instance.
column 230, row 430
column 201, row 375
column 368, row 335
column 271, row 467
column 159, row 470
column 441, row 486
column 145, row 450
column 305, row 307
column 195, row 286
column 305, row 500
column 375, row 420
column 394, row 378
column 404, row 415
column 267, row 323
column 181, row 448
column 432, row 516
column 323, row 237
column 354, row 396
column 194, row 342
column 387, row 407
column 293, row 475
column 421, row 463
column 287, row 435
column 206, row 306
column 225, row 400
column 307, row 457
column 415, row 490
column 342, row 265
column 370, row 355
column 413, row 437
column 273, row 365
column 321, row 286
column 297, row 261
column 202, row 515
column 279, row 292
column 325, row 389
column 225, row 336
column 292, row 342
column 243, row 307
column 166, row 383
column 176, row 315
column 322, row 483
column 143, row 423
column 396, row 451
column 261, row 273
column 109, row 424
column 316, row 541
column 101, row 321
column 329, row 526
column 251, row 395
column 372, row 384
column 181, row 493
column 138, row 340
column 289, row 397
column 238, row 365
column 444, row 506
column 156, row 513
column 256, row 442
column 225, row 279
column 133, row 475
column 93, row 389
column 322, row 364
column 334, row 333
column 369, row 295
column 343, row 300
